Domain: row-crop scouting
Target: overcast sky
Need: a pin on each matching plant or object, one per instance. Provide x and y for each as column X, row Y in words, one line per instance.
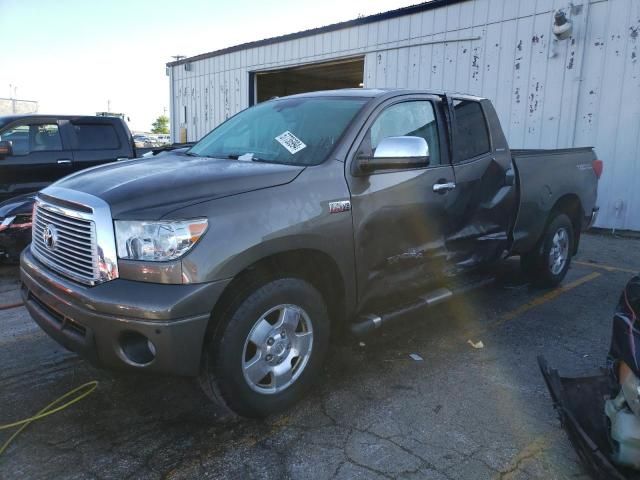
column 73, row 56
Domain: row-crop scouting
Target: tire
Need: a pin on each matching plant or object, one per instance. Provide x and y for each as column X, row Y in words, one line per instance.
column 548, row 264
column 279, row 329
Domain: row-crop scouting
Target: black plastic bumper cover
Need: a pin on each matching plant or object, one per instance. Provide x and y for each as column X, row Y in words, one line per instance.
column 580, row 406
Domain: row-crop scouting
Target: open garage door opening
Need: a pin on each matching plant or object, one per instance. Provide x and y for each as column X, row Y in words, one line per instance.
column 309, row 78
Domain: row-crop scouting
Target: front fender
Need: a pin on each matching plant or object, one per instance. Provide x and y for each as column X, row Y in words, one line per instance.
column 250, row 227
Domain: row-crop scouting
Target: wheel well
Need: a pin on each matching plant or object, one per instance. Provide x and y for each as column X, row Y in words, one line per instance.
column 571, row 206
column 314, row 266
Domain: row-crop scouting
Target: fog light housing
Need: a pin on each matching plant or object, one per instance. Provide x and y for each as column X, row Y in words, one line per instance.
column 137, row 349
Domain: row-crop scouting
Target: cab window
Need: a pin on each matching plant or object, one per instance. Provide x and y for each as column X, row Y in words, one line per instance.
column 471, row 136
column 42, row 137
column 96, row 136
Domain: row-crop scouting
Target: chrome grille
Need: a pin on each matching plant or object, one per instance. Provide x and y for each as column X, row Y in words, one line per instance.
column 74, row 249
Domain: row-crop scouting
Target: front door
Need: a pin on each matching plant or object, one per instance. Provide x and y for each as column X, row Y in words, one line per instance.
column 399, row 220
column 40, row 157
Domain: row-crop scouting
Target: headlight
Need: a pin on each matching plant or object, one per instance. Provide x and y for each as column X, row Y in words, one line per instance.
column 157, row 241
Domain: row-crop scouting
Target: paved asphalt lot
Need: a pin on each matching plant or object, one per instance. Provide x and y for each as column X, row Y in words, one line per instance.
column 461, row 413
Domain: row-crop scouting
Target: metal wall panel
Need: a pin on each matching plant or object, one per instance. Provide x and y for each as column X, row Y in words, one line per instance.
column 548, row 93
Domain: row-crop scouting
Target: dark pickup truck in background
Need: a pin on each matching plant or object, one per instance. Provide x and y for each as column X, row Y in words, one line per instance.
column 324, row 212
column 37, row 150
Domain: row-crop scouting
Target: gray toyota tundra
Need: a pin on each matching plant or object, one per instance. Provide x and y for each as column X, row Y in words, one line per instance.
column 307, row 215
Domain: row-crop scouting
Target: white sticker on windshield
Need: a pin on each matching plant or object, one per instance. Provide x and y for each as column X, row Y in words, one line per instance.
column 289, row 141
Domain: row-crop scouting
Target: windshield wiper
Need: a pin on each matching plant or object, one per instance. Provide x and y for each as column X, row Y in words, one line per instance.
column 201, row 155
column 244, row 157
column 236, row 156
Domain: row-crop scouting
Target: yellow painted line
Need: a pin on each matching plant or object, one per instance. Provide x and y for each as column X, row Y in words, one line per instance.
column 528, row 453
column 536, row 302
column 608, row 268
column 216, row 448
column 274, row 428
column 547, row 297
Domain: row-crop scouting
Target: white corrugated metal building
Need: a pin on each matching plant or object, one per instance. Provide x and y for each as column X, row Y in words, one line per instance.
column 549, row 93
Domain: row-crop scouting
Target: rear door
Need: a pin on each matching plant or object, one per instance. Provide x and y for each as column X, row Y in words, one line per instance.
column 399, row 220
column 97, row 141
column 484, row 200
column 41, row 155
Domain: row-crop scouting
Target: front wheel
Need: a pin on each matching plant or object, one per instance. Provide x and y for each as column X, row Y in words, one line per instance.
column 548, row 264
column 270, row 348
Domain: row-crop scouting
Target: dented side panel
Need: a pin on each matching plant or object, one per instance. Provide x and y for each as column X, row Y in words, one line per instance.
column 482, row 208
column 546, row 177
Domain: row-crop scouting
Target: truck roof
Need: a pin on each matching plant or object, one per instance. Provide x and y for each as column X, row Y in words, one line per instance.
column 380, row 92
column 11, row 118
column 8, row 119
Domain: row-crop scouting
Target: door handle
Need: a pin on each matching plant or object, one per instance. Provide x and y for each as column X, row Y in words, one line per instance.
column 443, row 187
column 64, row 161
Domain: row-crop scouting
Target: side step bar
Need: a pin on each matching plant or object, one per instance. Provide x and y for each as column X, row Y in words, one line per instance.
column 367, row 323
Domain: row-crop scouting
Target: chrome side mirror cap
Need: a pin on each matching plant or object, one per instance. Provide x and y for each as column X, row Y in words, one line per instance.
column 397, row 153
column 402, row 147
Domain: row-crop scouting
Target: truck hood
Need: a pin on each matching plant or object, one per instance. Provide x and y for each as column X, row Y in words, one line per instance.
column 149, row 188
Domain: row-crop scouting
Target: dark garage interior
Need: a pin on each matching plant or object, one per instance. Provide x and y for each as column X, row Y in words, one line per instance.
column 309, row 78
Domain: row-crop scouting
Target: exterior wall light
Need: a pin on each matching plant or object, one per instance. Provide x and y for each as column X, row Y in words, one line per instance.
column 562, row 27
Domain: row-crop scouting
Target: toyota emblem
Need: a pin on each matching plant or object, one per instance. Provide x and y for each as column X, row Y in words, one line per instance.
column 50, row 237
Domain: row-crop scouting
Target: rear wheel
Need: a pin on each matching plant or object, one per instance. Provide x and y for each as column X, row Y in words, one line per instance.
column 548, row 264
column 270, row 348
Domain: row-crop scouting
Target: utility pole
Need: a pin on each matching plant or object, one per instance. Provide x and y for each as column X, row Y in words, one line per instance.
column 13, row 94
column 108, row 106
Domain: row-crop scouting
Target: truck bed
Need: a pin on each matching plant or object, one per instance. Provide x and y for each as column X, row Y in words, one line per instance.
column 544, row 178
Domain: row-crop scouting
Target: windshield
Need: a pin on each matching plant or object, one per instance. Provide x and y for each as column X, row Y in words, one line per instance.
column 294, row 131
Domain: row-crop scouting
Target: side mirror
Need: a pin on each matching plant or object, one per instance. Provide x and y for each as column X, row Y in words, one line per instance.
column 6, row 149
column 397, row 152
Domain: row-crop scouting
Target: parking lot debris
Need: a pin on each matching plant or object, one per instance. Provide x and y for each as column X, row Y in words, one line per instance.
column 477, row 344
column 416, row 357
column 604, row 442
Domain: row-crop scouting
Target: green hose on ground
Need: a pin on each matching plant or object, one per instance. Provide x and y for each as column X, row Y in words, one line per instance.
column 88, row 388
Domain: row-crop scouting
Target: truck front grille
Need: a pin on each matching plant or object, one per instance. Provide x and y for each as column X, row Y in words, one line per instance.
column 65, row 243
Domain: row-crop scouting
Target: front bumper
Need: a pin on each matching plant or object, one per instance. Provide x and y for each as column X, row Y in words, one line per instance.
column 105, row 323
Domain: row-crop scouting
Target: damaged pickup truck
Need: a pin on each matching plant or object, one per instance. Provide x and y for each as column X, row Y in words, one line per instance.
column 299, row 217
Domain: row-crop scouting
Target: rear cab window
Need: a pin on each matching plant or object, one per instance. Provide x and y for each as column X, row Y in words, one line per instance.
column 471, row 135
column 94, row 136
